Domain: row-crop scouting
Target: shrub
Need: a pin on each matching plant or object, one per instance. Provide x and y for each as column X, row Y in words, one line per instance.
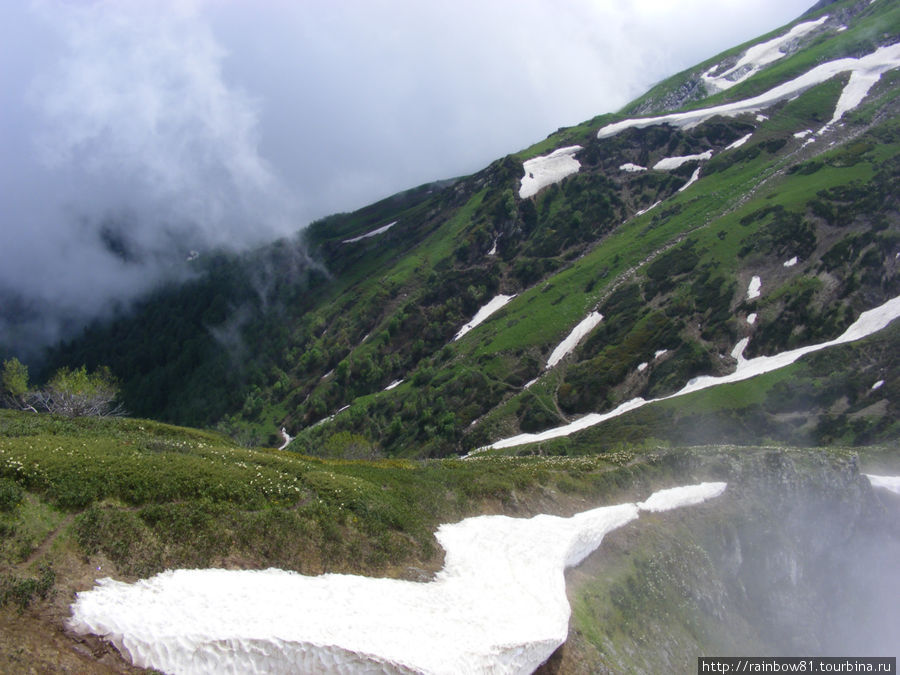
column 77, row 393
column 10, row 494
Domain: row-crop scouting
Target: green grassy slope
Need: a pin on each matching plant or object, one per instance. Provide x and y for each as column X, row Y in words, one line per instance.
column 307, row 334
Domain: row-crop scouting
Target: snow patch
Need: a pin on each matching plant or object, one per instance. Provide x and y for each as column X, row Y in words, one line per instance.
column 868, row 70
column 373, row 233
column 739, row 142
column 738, row 352
column 753, row 288
column 671, row 163
column 878, row 385
column 392, row 385
column 660, row 352
column 628, row 166
column 499, row 605
column 643, row 211
column 868, row 322
column 757, row 56
column 691, row 181
column 584, row 327
column 761, row 117
column 790, row 263
column 482, row 314
column 891, row 483
column 493, row 250
column 803, row 134
column 751, row 318
column 548, row 169
column 287, row 439
column 642, row 366
column 686, row 495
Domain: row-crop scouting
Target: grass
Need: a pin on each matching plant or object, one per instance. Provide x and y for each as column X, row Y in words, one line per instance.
column 147, row 496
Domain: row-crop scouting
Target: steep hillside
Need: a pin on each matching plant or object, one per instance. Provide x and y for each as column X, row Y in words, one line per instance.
column 752, row 197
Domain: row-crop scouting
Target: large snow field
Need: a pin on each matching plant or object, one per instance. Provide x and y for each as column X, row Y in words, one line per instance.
column 498, row 606
column 757, row 56
column 869, row 322
column 866, row 69
column 548, row 169
column 483, row 313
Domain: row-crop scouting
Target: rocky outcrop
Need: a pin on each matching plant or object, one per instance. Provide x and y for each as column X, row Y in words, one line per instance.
column 799, row 558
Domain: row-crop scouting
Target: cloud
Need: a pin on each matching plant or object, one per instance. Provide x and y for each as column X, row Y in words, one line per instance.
column 138, row 151
column 136, row 131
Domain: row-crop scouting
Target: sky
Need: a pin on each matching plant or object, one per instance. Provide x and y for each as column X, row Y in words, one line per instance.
column 133, row 132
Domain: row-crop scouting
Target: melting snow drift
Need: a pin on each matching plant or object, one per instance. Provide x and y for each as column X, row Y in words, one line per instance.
column 753, row 288
column 672, row 163
column 757, row 56
column 584, row 327
column 499, row 605
column 865, row 72
column 868, row 322
column 373, row 233
column 548, row 169
column 891, row 483
column 482, row 314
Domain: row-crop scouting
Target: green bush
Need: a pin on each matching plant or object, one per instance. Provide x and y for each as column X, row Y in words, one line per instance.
column 22, row 591
column 10, row 494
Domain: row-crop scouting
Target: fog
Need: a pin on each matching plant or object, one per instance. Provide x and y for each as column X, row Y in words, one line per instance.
column 136, row 132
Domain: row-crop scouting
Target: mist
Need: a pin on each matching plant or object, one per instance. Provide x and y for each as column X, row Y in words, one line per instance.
column 134, row 133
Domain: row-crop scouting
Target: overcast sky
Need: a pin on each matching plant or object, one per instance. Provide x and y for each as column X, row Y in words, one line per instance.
column 157, row 127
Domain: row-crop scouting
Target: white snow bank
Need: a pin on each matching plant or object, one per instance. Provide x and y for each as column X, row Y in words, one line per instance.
column 803, row 134
column 548, row 169
column 753, row 288
column 571, row 341
column 659, row 352
column 853, row 93
column 287, row 439
column 628, row 166
column 693, row 179
column 395, row 383
column 878, row 385
column 643, row 211
column 891, row 483
column 738, row 352
column 757, row 56
column 868, row 322
column 686, row 495
column 499, row 605
column 671, row 163
column 482, row 314
column 869, row 67
column 739, row 142
column 791, row 262
column 641, row 367
column 373, row 233
column 751, row 318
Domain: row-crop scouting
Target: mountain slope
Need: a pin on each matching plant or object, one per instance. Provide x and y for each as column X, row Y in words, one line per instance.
column 763, row 206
